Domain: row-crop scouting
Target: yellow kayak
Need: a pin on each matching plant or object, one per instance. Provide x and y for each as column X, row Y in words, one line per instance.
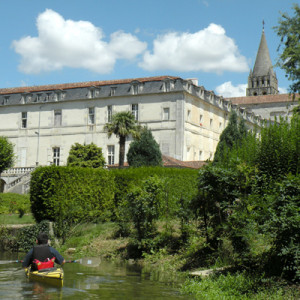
column 53, row 276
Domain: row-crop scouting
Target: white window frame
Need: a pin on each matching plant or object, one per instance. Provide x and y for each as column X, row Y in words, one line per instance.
column 113, row 90
column 91, row 117
column 58, row 118
column 56, row 156
column 24, row 119
column 109, row 113
column 166, row 113
column 135, row 111
column 110, row 154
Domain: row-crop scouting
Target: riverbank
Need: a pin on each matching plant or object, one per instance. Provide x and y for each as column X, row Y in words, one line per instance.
column 221, row 283
column 169, row 266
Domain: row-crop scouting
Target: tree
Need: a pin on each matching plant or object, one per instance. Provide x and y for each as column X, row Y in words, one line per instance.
column 88, row 156
column 229, row 138
column 144, row 151
column 6, row 154
column 122, row 125
column 289, row 60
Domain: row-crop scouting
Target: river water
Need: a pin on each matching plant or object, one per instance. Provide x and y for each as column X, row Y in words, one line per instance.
column 83, row 280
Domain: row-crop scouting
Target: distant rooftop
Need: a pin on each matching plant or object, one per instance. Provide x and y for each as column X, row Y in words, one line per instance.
column 28, row 89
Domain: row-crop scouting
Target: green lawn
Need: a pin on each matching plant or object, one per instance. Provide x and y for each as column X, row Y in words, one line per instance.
column 9, row 219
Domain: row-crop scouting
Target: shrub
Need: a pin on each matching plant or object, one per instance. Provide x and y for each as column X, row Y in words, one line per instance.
column 71, row 194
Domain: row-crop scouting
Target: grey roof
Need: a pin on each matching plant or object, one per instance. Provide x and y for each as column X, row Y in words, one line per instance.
column 263, row 63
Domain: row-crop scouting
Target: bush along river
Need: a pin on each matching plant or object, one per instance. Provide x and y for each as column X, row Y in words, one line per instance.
column 86, row 279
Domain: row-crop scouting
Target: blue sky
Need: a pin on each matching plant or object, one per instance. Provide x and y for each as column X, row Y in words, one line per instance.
column 215, row 41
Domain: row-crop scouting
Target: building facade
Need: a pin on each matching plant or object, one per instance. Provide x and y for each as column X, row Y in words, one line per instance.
column 43, row 122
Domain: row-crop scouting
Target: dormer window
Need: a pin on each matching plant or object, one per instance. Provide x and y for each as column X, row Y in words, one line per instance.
column 113, row 90
column 168, row 85
column 134, row 89
column 6, row 98
column 25, row 98
column 39, row 97
column 48, row 97
column 93, row 92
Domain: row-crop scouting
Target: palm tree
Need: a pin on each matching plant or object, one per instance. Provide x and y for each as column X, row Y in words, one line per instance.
column 122, row 125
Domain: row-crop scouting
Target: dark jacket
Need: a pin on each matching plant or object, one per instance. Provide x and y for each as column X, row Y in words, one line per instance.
column 41, row 253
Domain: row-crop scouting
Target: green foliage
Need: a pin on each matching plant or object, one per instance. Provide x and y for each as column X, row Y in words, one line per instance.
column 237, row 286
column 177, row 184
column 217, row 193
column 122, row 125
column 230, row 138
column 14, row 203
column 26, row 236
column 279, row 149
column 88, row 156
column 6, row 154
column 68, row 195
column 289, row 33
column 144, row 206
column 282, row 223
column 144, row 151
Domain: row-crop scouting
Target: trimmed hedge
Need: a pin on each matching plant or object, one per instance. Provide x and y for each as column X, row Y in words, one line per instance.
column 85, row 194
column 179, row 185
column 77, row 194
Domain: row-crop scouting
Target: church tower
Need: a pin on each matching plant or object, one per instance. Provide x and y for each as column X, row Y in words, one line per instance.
column 262, row 80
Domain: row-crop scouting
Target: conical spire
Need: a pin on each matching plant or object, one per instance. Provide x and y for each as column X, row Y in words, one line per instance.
column 262, row 80
column 263, row 63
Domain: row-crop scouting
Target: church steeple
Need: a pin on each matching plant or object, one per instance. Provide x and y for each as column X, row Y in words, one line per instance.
column 262, row 80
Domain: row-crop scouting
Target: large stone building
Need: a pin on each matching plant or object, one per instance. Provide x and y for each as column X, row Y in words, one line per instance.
column 43, row 122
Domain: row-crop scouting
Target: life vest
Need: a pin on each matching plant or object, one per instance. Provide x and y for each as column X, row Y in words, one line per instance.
column 48, row 263
column 42, row 257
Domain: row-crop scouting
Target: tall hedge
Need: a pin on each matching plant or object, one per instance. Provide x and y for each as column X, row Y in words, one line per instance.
column 179, row 185
column 73, row 193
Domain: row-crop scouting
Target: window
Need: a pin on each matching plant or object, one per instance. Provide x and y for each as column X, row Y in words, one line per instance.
column 200, row 155
column 211, row 122
column 48, row 97
column 57, row 118
column 6, row 98
column 24, row 119
column 113, row 91
column 111, row 155
column 109, row 113
column 166, row 115
column 91, row 116
column 135, row 111
column 93, row 93
column 135, row 89
column 56, row 156
column 38, row 97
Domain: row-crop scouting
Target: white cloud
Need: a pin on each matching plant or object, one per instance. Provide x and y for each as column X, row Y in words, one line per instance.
column 208, row 50
column 282, row 90
column 227, row 90
column 75, row 44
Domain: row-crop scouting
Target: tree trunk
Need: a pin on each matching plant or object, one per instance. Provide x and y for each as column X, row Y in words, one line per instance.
column 122, row 151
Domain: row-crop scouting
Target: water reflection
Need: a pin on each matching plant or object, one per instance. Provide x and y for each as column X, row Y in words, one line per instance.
column 83, row 281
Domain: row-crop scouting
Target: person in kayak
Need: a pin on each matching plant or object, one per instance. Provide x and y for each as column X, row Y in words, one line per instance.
column 42, row 256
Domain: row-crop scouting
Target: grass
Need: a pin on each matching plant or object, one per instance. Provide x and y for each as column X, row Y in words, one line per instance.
column 238, row 286
column 14, row 219
column 93, row 240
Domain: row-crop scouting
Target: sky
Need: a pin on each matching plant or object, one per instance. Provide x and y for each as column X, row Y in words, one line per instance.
column 215, row 41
